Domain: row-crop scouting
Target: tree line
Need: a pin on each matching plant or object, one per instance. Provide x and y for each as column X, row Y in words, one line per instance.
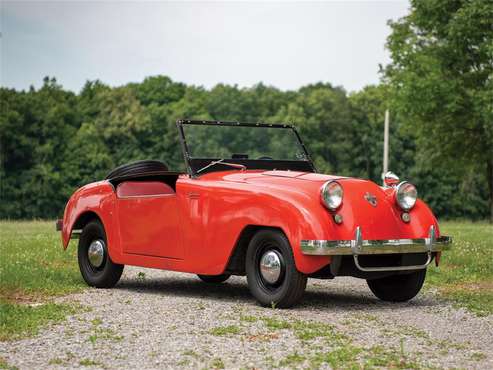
column 438, row 87
column 54, row 141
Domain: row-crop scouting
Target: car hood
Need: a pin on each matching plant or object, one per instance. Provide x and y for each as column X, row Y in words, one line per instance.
column 273, row 176
column 365, row 203
column 307, row 184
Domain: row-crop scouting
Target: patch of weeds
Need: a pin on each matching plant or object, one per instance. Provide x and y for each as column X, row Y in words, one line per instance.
column 307, row 330
column 191, row 353
column 225, row 330
column 89, row 362
column 56, row 361
column 141, row 276
column 446, row 345
column 201, row 306
column 405, row 330
column 340, row 358
column 292, row 360
column 273, row 323
column 269, row 361
column 217, row 363
column 247, row 318
column 478, row 356
column 365, row 317
column 388, row 357
column 5, row 365
column 18, row 320
column 105, row 334
column 184, row 362
column 97, row 321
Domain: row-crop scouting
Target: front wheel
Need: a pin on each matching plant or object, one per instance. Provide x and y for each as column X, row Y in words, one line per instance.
column 95, row 264
column 271, row 272
column 398, row 288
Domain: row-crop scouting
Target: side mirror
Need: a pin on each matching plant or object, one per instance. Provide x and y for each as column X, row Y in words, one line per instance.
column 390, row 179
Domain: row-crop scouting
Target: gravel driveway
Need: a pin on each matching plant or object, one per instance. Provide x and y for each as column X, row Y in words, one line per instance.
column 157, row 319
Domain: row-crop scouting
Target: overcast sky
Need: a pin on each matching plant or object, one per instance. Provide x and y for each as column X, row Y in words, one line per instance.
column 202, row 43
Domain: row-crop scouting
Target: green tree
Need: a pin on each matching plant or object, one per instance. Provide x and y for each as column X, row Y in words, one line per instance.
column 323, row 116
column 34, row 129
column 442, row 82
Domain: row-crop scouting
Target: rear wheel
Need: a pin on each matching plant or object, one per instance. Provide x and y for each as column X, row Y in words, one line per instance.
column 271, row 272
column 95, row 264
column 398, row 288
column 214, row 279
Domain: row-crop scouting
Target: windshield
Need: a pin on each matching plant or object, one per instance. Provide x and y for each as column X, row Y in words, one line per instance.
column 253, row 146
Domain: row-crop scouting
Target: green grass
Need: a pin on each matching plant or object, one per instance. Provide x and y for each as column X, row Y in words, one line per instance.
column 89, row 362
column 18, row 320
column 340, row 352
column 33, row 268
column 34, row 263
column 225, row 330
column 465, row 275
column 5, row 365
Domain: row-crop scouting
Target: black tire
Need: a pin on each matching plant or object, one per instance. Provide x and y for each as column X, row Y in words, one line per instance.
column 398, row 288
column 214, row 279
column 290, row 285
column 138, row 168
column 107, row 274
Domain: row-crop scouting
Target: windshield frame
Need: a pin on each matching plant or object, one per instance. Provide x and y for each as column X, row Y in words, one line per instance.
column 193, row 164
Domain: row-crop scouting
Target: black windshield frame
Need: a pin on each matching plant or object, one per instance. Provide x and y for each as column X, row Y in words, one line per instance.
column 194, row 164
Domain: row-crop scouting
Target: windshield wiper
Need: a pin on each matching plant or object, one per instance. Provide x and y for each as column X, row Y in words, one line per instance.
column 221, row 161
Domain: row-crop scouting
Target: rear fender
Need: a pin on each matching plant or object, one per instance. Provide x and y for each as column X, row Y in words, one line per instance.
column 96, row 200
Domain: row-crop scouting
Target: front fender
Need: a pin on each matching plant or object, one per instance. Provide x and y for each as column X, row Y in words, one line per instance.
column 229, row 208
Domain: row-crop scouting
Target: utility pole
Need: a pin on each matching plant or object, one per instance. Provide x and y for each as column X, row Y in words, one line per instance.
column 386, row 144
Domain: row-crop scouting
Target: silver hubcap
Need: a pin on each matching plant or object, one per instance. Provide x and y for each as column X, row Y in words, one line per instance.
column 95, row 253
column 270, row 267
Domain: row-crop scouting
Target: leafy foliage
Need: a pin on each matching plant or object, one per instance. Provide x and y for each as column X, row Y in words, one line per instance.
column 54, row 141
column 442, row 87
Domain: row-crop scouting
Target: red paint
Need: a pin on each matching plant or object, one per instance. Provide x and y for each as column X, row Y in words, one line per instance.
column 142, row 188
column 195, row 229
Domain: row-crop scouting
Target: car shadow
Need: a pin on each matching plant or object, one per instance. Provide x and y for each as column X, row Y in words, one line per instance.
column 236, row 291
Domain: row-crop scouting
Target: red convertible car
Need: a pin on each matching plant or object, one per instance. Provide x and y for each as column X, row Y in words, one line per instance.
column 252, row 203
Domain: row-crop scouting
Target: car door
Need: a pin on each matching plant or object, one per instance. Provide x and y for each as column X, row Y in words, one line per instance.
column 149, row 219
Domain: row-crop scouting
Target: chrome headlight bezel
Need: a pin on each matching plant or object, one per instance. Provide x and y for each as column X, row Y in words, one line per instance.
column 406, row 195
column 332, row 195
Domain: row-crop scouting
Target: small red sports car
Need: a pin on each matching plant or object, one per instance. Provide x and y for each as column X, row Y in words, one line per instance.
column 252, row 203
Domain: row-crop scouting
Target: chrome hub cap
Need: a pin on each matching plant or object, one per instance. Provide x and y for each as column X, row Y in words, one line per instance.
column 95, row 253
column 271, row 266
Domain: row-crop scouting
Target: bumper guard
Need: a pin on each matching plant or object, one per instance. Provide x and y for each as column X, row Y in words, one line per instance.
column 358, row 246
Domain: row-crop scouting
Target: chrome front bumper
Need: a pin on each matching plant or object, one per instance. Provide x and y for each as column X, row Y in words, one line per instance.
column 358, row 246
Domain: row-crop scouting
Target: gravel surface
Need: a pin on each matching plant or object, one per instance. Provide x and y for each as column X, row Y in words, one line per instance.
column 158, row 319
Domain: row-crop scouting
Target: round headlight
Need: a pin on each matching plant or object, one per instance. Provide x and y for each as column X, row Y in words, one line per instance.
column 406, row 195
column 332, row 194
